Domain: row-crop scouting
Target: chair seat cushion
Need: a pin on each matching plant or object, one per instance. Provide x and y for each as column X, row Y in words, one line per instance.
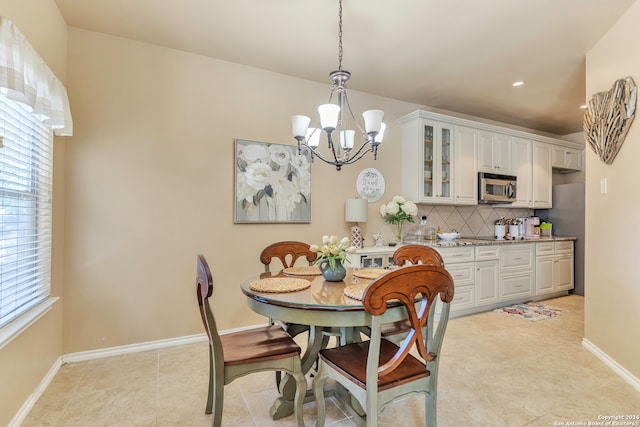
column 351, row 360
column 267, row 343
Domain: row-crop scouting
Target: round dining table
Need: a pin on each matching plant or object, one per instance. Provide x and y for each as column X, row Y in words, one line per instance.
column 320, row 306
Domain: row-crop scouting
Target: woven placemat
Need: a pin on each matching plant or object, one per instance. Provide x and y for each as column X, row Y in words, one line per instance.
column 307, row 270
column 370, row 273
column 355, row 291
column 280, row 284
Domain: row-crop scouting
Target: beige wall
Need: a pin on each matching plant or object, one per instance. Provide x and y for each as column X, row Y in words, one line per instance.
column 150, row 179
column 612, row 304
column 25, row 361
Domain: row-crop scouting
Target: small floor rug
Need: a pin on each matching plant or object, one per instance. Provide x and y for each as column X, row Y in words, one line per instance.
column 533, row 311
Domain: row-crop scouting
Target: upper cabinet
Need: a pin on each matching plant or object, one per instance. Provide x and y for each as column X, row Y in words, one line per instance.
column 494, row 152
column 442, row 155
column 466, row 178
column 541, row 175
column 427, row 161
column 522, row 162
column 566, row 159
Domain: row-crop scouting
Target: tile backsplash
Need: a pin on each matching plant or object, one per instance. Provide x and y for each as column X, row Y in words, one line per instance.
column 469, row 221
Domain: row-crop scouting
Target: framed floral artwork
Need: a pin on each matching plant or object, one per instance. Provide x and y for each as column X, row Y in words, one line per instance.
column 273, row 183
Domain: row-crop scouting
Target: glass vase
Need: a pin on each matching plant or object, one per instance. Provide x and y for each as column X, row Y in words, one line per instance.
column 399, row 232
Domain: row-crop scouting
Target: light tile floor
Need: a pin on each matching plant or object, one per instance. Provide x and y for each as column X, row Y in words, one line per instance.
column 495, row 370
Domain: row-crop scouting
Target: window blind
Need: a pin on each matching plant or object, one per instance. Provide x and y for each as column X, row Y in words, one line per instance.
column 25, row 209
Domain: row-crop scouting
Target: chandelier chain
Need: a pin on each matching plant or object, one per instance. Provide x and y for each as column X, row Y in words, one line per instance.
column 340, row 36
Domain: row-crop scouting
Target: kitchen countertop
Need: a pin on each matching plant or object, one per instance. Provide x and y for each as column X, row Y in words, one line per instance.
column 467, row 241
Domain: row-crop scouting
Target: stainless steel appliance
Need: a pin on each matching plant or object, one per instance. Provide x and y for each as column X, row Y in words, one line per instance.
column 496, row 188
column 567, row 217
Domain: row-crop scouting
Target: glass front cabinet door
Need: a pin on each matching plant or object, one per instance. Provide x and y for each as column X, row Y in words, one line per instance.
column 427, row 161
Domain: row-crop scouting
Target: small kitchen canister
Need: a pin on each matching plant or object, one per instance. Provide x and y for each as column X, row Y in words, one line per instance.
column 500, row 231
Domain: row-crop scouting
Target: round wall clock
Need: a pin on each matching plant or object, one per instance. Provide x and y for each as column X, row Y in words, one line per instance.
column 370, row 185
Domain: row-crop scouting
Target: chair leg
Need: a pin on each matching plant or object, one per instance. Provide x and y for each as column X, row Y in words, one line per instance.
column 318, row 393
column 301, row 392
column 430, row 410
column 371, row 406
column 210, row 393
column 218, row 394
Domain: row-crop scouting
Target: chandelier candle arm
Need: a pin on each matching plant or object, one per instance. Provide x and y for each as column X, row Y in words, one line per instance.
column 333, row 117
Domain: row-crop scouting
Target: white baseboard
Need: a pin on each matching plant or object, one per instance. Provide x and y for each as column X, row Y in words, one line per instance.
column 617, row 368
column 33, row 398
column 105, row 352
column 144, row 346
column 131, row 348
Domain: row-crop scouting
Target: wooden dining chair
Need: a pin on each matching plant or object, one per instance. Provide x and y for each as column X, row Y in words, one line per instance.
column 287, row 252
column 417, row 254
column 408, row 254
column 390, row 371
column 237, row 354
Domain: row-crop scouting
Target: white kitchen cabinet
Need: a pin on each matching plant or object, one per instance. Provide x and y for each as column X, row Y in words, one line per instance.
column 487, row 269
column 463, row 275
column 442, row 154
column 459, row 262
column 466, row 178
column 494, row 152
column 566, row 159
column 541, row 175
column 517, row 271
column 427, row 161
column 554, row 267
column 487, row 276
column 371, row 257
column 521, row 162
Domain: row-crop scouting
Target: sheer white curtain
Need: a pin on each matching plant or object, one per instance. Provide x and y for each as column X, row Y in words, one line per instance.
column 26, row 78
column 33, row 106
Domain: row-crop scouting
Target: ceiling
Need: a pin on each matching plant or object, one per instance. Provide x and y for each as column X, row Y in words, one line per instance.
column 456, row 55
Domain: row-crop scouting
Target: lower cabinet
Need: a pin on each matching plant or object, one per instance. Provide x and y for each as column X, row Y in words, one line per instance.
column 517, row 274
column 374, row 257
column 554, row 267
column 459, row 262
column 487, row 276
column 487, row 267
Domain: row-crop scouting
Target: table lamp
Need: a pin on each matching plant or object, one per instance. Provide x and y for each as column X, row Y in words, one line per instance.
column 356, row 211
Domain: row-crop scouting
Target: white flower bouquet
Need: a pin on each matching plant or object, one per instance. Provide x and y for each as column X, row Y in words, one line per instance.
column 397, row 211
column 332, row 250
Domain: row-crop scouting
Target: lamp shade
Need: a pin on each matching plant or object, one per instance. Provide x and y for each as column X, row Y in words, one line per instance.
column 372, row 120
column 329, row 115
column 313, row 137
column 299, row 125
column 346, row 138
column 380, row 135
column 356, row 210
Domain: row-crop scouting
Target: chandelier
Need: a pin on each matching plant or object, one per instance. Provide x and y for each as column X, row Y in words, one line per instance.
column 333, row 117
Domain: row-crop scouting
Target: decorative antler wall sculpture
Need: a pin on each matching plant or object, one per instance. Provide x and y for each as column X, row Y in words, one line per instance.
column 608, row 118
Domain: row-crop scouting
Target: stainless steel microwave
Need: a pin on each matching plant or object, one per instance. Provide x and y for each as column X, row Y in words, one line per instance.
column 495, row 188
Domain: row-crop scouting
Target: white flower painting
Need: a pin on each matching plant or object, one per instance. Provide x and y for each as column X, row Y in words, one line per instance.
column 273, row 183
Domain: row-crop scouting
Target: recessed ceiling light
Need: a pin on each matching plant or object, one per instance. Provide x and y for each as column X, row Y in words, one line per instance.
column 516, row 84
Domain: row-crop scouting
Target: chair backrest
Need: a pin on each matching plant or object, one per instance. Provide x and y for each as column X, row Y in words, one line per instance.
column 417, row 254
column 406, row 285
column 204, row 290
column 287, row 252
